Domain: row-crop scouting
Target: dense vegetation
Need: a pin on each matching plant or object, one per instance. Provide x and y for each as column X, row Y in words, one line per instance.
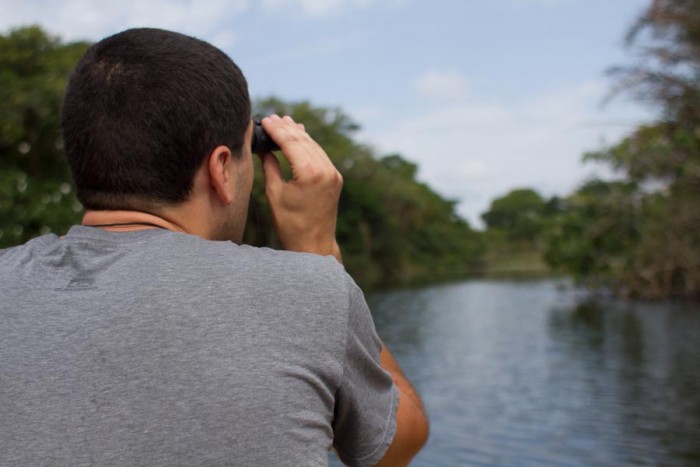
column 35, row 193
column 640, row 232
column 391, row 227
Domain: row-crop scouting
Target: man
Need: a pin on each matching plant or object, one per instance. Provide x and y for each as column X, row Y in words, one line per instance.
column 148, row 335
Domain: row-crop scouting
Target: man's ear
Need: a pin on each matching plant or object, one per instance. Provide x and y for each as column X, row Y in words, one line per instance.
column 220, row 174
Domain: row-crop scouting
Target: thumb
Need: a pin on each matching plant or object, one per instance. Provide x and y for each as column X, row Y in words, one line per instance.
column 271, row 169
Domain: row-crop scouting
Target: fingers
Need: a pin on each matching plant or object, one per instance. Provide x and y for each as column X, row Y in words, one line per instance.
column 272, row 171
column 304, row 208
column 296, row 144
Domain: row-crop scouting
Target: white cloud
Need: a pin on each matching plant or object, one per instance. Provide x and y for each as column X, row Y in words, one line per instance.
column 207, row 19
column 476, row 150
column 317, row 8
column 540, row 2
column 471, row 169
column 441, row 85
column 93, row 19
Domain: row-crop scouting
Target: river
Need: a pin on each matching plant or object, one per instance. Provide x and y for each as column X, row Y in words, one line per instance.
column 532, row 373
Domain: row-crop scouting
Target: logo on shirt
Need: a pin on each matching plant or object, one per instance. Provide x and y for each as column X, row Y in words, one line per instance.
column 79, row 283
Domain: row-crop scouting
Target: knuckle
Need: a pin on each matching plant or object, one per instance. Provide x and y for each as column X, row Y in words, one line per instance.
column 291, row 138
column 296, row 137
column 315, row 175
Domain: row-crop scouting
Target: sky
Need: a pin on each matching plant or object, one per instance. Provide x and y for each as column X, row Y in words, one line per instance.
column 484, row 95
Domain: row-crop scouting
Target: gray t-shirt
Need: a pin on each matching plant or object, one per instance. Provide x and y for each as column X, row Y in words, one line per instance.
column 159, row 348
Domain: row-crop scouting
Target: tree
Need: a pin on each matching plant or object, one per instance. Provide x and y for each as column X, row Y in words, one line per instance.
column 650, row 214
column 663, row 166
column 35, row 191
column 518, row 214
column 666, row 37
column 594, row 235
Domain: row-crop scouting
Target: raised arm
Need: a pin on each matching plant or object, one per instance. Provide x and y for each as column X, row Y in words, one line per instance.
column 304, row 211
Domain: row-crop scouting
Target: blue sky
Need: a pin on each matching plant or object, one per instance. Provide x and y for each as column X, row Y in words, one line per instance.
column 485, row 95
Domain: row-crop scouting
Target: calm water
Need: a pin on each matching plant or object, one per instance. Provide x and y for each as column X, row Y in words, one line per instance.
column 536, row 373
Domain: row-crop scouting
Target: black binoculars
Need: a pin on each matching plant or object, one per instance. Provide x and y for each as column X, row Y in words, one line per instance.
column 262, row 143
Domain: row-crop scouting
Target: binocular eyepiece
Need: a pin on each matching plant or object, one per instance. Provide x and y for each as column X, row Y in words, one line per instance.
column 262, row 143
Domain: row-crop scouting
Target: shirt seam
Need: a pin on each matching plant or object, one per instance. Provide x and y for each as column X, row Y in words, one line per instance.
column 125, row 242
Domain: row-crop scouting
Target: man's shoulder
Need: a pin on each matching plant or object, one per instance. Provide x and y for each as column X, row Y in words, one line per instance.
column 22, row 251
column 263, row 256
column 279, row 268
column 286, row 267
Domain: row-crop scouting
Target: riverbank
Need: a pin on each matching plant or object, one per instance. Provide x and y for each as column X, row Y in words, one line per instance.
column 515, row 260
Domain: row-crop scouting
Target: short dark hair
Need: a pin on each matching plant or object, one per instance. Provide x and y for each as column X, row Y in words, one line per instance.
column 142, row 110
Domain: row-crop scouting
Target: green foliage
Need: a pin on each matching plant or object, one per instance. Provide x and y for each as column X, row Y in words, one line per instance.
column 35, row 192
column 594, row 235
column 641, row 233
column 518, row 214
column 662, row 163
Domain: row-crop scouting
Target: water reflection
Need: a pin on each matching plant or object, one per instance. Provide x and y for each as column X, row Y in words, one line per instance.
column 537, row 373
column 647, row 377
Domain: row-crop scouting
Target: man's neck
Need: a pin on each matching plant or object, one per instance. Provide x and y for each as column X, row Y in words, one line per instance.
column 125, row 221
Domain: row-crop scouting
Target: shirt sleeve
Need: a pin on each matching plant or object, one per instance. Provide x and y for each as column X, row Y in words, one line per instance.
column 364, row 422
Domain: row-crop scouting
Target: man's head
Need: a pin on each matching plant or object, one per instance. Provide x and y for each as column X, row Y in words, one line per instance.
column 143, row 111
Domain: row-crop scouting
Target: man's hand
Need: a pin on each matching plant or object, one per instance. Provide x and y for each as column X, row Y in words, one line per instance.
column 305, row 208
